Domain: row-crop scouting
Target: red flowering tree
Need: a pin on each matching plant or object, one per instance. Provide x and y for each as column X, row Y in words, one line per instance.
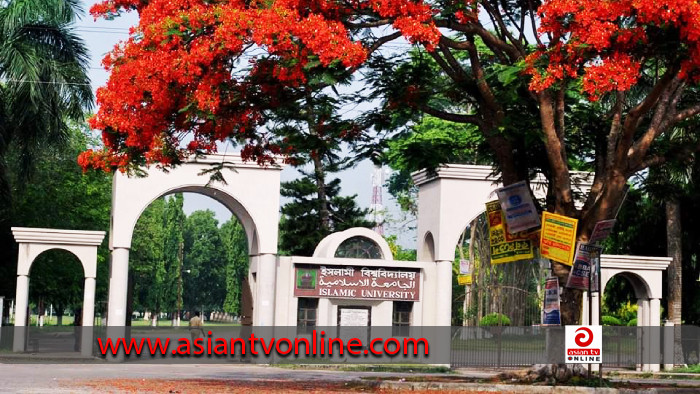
column 195, row 72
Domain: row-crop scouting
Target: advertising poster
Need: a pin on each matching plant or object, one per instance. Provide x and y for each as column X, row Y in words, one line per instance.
column 464, row 280
column 505, row 247
column 550, row 313
column 583, row 265
column 464, row 267
column 518, row 209
column 601, row 231
column 595, row 270
column 558, row 238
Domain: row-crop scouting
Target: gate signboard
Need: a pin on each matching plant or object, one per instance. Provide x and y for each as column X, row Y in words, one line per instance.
column 369, row 283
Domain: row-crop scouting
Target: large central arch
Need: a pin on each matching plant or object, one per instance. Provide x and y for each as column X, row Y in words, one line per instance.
column 251, row 192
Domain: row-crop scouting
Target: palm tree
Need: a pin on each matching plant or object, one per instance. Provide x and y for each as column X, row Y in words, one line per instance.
column 43, row 81
column 670, row 182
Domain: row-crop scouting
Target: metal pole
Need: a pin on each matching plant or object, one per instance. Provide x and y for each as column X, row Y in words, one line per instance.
column 2, row 301
column 600, row 301
column 590, row 303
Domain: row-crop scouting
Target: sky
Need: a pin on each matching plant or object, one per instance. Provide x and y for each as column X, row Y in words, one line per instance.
column 101, row 36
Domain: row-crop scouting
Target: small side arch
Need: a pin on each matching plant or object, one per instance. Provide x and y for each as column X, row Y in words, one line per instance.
column 428, row 249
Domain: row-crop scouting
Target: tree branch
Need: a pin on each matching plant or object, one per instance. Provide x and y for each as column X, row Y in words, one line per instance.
column 556, row 154
column 686, row 113
column 484, row 88
column 452, row 117
column 365, row 25
column 381, row 41
column 659, row 121
column 492, row 41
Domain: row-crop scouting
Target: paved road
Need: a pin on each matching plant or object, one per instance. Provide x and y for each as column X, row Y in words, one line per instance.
column 45, row 378
column 71, row 378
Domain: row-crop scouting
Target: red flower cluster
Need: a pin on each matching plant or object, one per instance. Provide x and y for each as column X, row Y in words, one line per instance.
column 183, row 74
column 604, row 41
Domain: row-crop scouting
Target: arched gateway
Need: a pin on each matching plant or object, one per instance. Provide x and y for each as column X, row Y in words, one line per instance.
column 35, row 241
column 251, row 192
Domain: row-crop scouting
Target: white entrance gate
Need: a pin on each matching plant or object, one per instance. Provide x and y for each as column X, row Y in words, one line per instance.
column 251, row 192
column 33, row 242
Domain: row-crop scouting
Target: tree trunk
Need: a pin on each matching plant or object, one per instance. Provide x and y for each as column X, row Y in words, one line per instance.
column 319, row 170
column 673, row 249
column 59, row 315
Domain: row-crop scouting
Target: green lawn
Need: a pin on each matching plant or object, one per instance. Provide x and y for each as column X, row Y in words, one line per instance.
column 183, row 323
column 50, row 321
column 689, row 369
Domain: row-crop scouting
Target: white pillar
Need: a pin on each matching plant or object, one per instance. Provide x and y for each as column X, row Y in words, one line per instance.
column 88, row 317
column 443, row 296
column 654, row 312
column 116, row 306
column 118, row 287
column 643, row 341
column 669, row 345
column 265, row 288
column 21, row 304
column 654, row 334
column 595, row 321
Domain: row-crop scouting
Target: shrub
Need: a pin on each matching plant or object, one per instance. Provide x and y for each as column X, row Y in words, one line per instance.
column 632, row 322
column 494, row 319
column 627, row 312
column 611, row 321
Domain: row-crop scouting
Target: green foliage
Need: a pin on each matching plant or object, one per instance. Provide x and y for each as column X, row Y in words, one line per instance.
column 627, row 312
column 173, row 249
column 236, row 247
column 435, row 141
column 187, row 259
column 206, row 281
column 494, row 319
column 610, row 321
column 632, row 323
column 641, row 230
column 398, row 252
column 147, row 259
column 43, row 66
column 428, row 144
column 59, row 195
column 300, row 228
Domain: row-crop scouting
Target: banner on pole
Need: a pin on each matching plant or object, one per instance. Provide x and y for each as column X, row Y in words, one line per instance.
column 551, row 315
column 464, row 280
column 558, row 238
column 505, row 247
column 601, row 231
column 518, row 209
column 595, row 270
column 582, row 271
column 464, row 267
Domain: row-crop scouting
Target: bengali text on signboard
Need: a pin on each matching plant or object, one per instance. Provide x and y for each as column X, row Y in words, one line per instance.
column 558, row 237
column 505, row 247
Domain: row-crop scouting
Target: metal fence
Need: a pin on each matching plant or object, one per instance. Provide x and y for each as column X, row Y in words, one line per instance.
column 623, row 347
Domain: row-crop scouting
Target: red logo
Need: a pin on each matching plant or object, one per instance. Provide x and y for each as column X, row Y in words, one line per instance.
column 585, row 338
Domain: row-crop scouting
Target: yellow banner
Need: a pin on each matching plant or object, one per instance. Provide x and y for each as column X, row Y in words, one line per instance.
column 506, row 247
column 558, row 239
column 464, row 280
